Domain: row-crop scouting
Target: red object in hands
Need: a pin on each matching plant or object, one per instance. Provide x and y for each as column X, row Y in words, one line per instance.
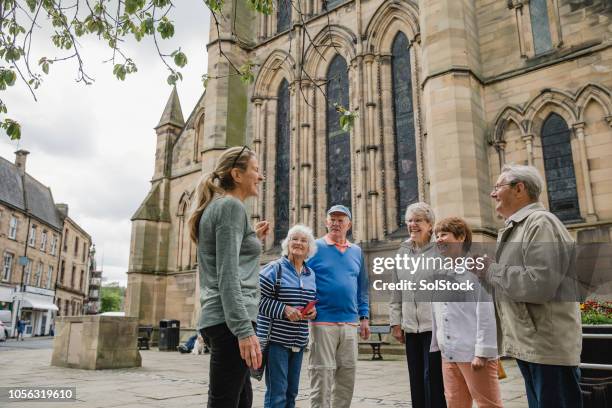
column 305, row 310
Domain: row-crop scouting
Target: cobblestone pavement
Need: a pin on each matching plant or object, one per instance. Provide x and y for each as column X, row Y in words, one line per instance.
column 170, row 379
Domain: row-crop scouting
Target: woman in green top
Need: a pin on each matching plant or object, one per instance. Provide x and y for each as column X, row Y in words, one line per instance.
column 228, row 263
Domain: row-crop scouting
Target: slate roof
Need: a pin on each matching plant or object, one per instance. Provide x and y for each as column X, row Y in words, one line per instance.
column 38, row 197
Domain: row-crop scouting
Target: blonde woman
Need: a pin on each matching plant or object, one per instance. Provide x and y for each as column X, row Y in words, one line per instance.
column 228, row 263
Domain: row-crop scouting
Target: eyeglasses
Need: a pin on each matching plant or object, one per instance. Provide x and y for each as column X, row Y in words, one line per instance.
column 239, row 154
column 498, row 186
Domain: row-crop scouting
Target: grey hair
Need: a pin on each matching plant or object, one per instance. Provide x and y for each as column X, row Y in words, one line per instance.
column 300, row 229
column 422, row 209
column 528, row 175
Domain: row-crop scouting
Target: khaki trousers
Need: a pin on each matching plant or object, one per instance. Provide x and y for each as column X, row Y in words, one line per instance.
column 332, row 365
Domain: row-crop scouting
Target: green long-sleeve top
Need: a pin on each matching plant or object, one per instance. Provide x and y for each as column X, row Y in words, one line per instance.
column 228, row 263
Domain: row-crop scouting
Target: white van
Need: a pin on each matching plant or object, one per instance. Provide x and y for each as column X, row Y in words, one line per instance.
column 5, row 326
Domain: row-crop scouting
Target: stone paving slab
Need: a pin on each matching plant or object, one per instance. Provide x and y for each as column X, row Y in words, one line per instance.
column 169, row 379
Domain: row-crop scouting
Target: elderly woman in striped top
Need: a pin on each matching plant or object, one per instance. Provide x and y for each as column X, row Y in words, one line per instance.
column 287, row 287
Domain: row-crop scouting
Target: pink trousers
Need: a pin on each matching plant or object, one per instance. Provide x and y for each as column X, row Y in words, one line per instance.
column 463, row 384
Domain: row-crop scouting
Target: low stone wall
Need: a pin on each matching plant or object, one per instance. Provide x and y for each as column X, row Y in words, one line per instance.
column 96, row 342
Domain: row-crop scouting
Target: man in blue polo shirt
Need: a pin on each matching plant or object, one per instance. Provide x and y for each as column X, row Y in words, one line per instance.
column 342, row 291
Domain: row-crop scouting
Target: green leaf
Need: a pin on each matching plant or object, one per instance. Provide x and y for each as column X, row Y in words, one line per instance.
column 165, row 28
column 12, row 128
column 263, row 6
column 214, row 5
column 205, row 79
column 32, row 5
column 132, row 6
column 180, row 59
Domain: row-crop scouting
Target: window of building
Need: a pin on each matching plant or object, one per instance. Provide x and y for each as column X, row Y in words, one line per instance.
column 62, row 270
column 76, row 246
column 338, row 141
column 28, row 273
column 7, row 266
column 38, row 274
column 49, row 276
column 72, row 276
column 66, row 306
column 559, row 169
column 406, row 179
column 283, row 160
column 84, row 251
column 329, row 4
column 32, row 239
column 43, row 241
column 12, row 234
column 540, row 26
column 65, row 246
column 54, row 244
column 283, row 15
column 82, row 281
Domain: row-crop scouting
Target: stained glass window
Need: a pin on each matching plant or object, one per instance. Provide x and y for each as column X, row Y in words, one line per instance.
column 559, row 169
column 283, row 15
column 406, row 179
column 338, row 141
column 281, row 182
column 329, row 4
column 540, row 26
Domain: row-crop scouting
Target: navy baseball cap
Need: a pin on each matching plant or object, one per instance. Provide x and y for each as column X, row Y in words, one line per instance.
column 340, row 209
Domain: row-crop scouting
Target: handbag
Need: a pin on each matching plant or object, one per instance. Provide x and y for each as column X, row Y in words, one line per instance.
column 257, row 373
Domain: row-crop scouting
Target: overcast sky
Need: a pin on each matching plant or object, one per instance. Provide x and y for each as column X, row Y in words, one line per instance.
column 94, row 146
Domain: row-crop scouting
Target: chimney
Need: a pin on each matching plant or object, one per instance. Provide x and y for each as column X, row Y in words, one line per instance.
column 20, row 160
column 63, row 209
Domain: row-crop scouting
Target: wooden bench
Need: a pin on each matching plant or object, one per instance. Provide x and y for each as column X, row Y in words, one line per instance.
column 375, row 340
column 144, row 337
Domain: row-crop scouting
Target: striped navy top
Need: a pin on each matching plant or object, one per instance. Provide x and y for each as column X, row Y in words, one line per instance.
column 295, row 290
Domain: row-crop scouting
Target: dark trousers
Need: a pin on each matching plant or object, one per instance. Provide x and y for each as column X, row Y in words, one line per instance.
column 425, row 370
column 229, row 379
column 551, row 386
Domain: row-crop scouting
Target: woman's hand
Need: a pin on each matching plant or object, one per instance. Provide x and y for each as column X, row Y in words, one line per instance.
column 292, row 314
column 262, row 228
column 479, row 362
column 311, row 315
column 250, row 351
column 398, row 333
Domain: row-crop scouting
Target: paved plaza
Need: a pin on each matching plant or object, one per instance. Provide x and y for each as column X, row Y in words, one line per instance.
column 170, row 379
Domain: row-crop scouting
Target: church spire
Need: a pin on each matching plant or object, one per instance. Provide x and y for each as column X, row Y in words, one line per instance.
column 173, row 115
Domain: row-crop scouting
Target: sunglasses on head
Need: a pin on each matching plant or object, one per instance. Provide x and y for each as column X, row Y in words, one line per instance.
column 240, row 154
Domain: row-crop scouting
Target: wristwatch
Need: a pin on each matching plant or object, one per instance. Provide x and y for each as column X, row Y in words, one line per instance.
column 363, row 318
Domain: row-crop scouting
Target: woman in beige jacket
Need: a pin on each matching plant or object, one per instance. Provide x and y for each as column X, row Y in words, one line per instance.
column 410, row 316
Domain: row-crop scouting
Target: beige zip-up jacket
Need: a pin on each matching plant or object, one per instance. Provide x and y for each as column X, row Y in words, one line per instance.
column 413, row 316
column 534, row 260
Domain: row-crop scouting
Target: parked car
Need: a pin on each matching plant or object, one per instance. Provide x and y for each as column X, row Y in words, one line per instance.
column 5, row 324
column 4, row 333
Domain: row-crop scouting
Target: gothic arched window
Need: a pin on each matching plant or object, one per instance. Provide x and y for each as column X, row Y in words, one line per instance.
column 283, row 15
column 406, row 179
column 559, row 169
column 338, row 141
column 281, row 182
column 540, row 26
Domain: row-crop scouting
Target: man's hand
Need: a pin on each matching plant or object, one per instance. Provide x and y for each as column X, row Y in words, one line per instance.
column 262, row 228
column 364, row 329
column 479, row 362
column 398, row 333
column 250, row 351
column 481, row 273
column 292, row 314
column 311, row 315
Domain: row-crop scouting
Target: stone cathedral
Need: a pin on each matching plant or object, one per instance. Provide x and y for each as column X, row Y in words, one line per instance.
column 446, row 92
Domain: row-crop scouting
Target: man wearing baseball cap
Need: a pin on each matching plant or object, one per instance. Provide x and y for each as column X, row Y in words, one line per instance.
column 342, row 291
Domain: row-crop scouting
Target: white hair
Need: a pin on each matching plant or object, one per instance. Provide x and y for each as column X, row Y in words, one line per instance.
column 422, row 209
column 299, row 229
column 528, row 175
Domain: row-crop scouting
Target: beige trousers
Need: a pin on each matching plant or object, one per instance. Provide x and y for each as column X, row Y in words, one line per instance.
column 332, row 365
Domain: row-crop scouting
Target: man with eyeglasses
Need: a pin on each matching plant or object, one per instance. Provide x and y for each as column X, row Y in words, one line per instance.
column 342, row 291
column 538, row 316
